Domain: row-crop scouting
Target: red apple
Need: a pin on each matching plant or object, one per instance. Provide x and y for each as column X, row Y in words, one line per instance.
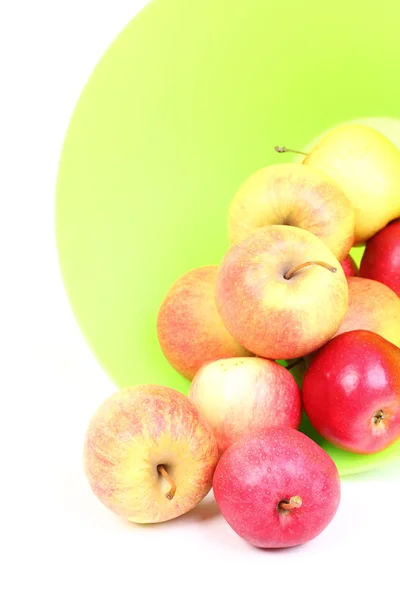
column 277, row 489
column 244, row 395
column 189, row 328
column 349, row 266
column 351, row 392
column 381, row 259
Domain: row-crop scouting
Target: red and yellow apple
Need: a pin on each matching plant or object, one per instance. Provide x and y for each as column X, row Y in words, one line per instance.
column 149, row 455
column 245, row 395
column 372, row 307
column 281, row 292
column 190, row 330
column 296, row 195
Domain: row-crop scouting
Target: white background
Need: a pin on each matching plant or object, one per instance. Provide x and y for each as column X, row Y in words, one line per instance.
column 58, row 540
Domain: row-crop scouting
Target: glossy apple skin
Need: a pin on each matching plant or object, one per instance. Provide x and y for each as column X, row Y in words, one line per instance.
column 259, row 471
column 349, row 267
column 274, row 317
column 350, row 380
column 245, row 395
column 133, row 432
column 372, row 307
column 381, row 259
column 189, row 328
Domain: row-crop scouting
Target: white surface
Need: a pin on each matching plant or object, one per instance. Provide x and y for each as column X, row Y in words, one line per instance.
column 59, row 541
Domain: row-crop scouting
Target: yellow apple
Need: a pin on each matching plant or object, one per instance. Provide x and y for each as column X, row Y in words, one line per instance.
column 388, row 126
column 366, row 165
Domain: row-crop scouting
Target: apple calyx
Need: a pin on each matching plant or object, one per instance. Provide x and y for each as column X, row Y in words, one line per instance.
column 309, row 263
column 378, row 417
column 286, row 505
column 283, row 149
column 162, row 471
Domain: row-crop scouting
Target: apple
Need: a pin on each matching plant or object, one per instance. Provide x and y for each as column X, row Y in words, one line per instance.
column 277, row 489
column 366, row 166
column 281, row 292
column 149, row 455
column 190, row 330
column 297, row 195
column 373, row 307
column 381, row 259
column 351, row 392
column 388, row 126
column 244, row 395
column 349, row 267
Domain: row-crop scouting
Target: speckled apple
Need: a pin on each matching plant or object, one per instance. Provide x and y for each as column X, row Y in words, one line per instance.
column 244, row 395
column 149, row 455
column 274, row 299
column 277, row 489
column 296, row 195
column 351, row 392
column 373, row 307
column 190, row 330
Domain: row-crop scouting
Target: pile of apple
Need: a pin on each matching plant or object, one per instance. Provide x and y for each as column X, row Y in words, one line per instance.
column 286, row 290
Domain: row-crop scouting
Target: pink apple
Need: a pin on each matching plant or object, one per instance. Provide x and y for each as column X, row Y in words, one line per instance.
column 381, row 259
column 351, row 392
column 149, row 455
column 277, row 489
column 349, row 266
column 244, row 395
column 281, row 292
column 190, row 330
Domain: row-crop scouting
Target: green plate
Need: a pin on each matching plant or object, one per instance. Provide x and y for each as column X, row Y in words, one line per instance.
column 189, row 100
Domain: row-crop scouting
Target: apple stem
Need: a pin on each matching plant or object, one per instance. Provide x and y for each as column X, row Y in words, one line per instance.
column 283, row 149
column 294, row 363
column 294, row 270
column 161, row 469
column 294, row 502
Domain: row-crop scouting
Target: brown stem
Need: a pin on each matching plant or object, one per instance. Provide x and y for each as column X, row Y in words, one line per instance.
column 294, row 502
column 294, row 363
column 161, row 469
column 320, row 263
column 283, row 149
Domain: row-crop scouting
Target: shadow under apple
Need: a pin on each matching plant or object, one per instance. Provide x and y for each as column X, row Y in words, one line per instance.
column 205, row 511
